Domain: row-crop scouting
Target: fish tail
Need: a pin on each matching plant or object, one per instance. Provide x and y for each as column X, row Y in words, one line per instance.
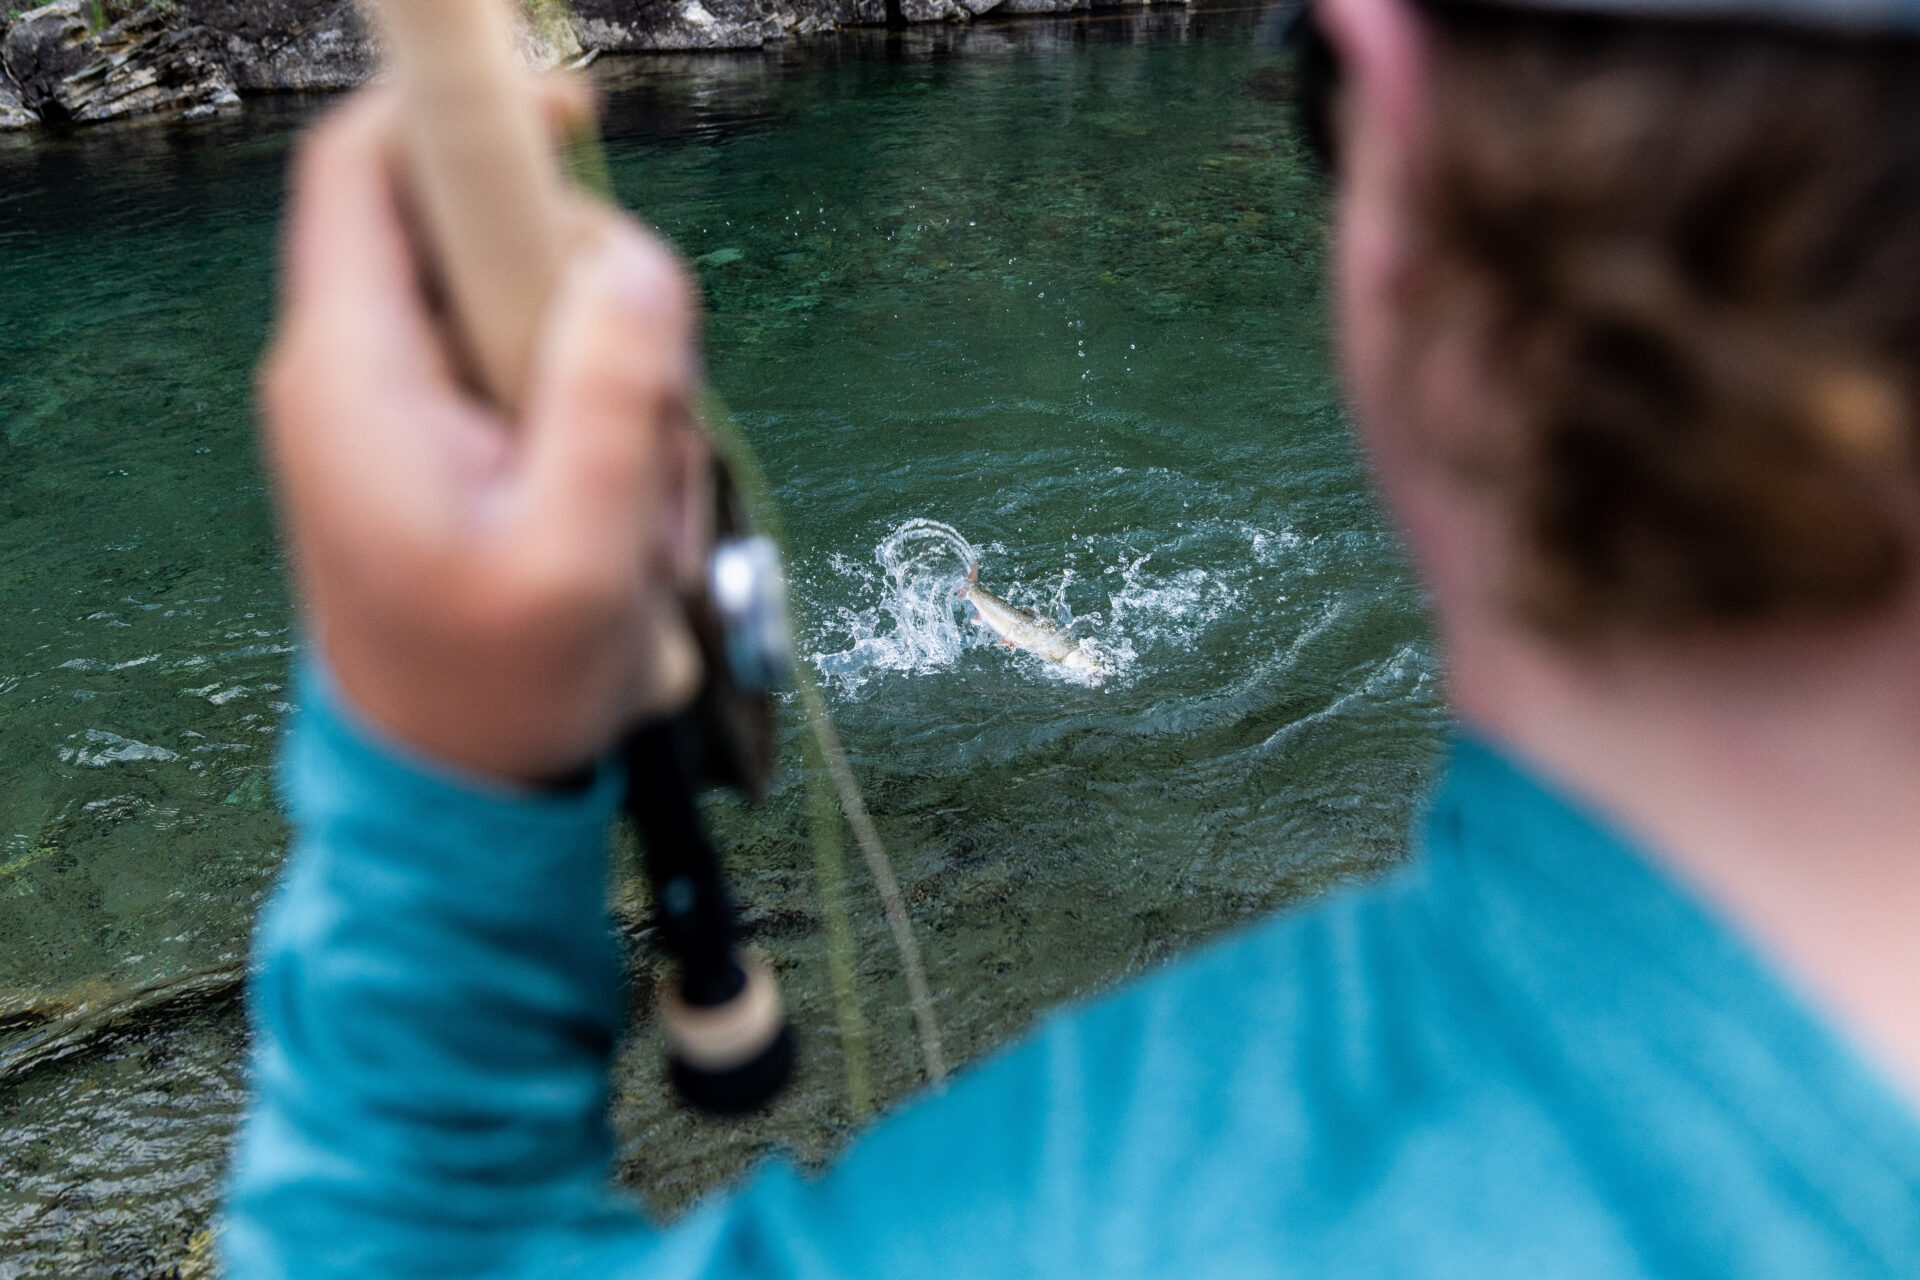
column 973, row 579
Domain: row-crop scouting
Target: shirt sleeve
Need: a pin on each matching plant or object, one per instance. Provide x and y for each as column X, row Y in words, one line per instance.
column 435, row 1003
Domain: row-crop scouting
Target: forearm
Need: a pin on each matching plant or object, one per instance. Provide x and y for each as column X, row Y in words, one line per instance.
column 434, row 1010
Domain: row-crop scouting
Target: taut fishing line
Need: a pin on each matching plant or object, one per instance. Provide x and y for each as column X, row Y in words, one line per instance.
column 825, row 755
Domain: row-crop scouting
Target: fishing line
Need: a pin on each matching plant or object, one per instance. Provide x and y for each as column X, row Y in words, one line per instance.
column 822, row 752
column 830, row 757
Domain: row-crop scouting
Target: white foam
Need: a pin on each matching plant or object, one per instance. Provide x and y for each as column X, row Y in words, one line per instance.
column 1142, row 611
column 914, row 625
column 103, row 748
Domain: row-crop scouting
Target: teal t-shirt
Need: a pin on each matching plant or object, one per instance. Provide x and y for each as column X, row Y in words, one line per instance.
column 1528, row 1054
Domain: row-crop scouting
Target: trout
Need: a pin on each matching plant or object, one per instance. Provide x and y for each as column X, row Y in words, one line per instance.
column 1024, row 629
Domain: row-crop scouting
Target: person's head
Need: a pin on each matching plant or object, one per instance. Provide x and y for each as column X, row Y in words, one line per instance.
column 1630, row 311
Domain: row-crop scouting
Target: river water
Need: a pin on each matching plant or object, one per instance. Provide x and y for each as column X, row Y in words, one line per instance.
column 1042, row 292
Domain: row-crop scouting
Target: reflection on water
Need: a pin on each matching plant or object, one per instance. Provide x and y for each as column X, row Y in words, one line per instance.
column 1047, row 292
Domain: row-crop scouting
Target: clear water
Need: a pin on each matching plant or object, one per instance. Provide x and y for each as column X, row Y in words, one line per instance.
column 1044, row 292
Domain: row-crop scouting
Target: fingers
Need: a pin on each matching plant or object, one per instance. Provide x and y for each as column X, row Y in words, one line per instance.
column 608, row 422
column 348, row 264
column 614, row 471
column 347, row 250
column 568, row 103
column 504, row 599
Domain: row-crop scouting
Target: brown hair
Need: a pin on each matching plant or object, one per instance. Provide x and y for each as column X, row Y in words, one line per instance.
column 1701, row 244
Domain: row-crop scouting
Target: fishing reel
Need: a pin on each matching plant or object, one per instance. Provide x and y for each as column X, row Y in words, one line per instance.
column 730, row 1047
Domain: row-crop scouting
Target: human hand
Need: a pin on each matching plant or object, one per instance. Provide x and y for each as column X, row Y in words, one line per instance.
column 498, row 594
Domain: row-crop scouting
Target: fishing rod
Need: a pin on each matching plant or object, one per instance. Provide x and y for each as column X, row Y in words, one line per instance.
column 492, row 200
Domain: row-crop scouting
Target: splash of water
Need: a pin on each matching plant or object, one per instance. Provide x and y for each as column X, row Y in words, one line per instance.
column 917, row 624
column 915, row 627
column 1140, row 610
column 926, row 562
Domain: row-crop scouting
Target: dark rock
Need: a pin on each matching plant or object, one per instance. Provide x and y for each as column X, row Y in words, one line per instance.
column 13, row 112
column 947, row 10
column 141, row 65
column 44, row 46
column 288, row 45
column 631, row 26
column 1044, row 6
column 147, row 69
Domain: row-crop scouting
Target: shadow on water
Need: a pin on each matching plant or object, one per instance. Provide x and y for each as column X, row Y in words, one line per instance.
column 1053, row 284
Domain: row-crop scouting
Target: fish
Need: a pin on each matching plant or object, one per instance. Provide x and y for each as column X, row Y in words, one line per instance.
column 1024, row 629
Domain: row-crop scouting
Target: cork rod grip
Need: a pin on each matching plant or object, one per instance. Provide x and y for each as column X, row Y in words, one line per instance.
column 484, row 177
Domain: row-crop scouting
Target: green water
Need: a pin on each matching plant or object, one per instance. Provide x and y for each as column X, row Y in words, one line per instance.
column 1056, row 284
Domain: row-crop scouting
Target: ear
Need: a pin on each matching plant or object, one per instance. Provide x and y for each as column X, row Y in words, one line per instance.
column 1378, row 122
column 1381, row 48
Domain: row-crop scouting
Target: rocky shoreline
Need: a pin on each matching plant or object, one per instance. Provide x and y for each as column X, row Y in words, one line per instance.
column 80, row 62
